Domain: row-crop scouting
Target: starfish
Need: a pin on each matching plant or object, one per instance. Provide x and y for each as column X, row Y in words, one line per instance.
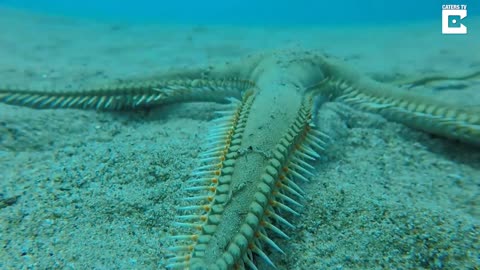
column 263, row 147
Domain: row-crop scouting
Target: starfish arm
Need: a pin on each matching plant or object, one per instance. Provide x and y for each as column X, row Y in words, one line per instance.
column 416, row 110
column 129, row 95
column 413, row 82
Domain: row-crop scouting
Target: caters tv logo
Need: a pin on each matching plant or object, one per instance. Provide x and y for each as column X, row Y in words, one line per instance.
column 452, row 16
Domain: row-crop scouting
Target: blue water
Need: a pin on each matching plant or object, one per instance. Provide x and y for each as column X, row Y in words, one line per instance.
column 248, row 12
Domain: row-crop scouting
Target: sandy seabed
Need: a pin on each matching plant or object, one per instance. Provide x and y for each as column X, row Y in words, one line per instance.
column 90, row 190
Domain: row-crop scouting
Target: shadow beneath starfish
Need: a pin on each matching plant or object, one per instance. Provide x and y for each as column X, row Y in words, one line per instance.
column 453, row 150
column 204, row 111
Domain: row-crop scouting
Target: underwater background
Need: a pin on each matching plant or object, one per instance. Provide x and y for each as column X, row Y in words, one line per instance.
column 248, row 12
column 81, row 189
